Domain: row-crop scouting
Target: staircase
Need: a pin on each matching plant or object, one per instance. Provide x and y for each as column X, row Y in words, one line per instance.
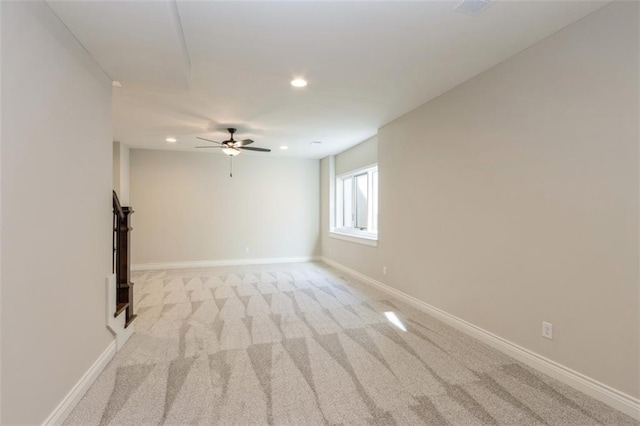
column 120, row 314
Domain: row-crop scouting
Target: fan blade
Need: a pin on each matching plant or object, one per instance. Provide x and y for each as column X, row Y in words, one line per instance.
column 209, row 146
column 208, row 140
column 248, row 148
column 244, row 142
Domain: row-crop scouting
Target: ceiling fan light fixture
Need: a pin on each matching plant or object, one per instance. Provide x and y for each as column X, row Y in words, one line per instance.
column 231, row 152
column 171, row 139
column 299, row 82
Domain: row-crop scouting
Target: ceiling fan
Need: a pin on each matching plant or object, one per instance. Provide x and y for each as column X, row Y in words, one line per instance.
column 232, row 147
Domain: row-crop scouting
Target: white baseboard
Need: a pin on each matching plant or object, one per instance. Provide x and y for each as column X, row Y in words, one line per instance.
column 80, row 389
column 604, row 393
column 224, row 262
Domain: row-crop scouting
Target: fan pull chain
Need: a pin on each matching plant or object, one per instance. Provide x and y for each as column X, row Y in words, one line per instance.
column 230, row 166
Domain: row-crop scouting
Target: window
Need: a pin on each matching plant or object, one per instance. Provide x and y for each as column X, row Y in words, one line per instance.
column 357, row 203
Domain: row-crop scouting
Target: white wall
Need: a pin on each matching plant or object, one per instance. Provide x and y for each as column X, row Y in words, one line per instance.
column 121, row 172
column 362, row 155
column 125, row 179
column 187, row 208
column 56, row 211
column 0, row 213
column 359, row 257
column 513, row 199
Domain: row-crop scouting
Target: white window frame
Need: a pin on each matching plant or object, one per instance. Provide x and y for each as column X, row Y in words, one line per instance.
column 351, row 233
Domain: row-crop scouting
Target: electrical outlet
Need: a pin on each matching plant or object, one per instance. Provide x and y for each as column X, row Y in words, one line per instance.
column 547, row 330
column 384, row 270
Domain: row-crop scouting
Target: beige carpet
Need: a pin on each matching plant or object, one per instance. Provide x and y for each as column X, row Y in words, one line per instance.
column 304, row 344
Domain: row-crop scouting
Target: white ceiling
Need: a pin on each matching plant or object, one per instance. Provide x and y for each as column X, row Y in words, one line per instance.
column 192, row 68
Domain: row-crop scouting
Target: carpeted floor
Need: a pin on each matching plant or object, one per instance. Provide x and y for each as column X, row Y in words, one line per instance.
column 304, row 344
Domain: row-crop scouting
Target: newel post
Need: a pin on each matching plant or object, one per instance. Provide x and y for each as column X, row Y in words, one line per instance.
column 125, row 286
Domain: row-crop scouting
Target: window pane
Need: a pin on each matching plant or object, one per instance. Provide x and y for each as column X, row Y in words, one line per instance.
column 347, row 202
column 362, row 205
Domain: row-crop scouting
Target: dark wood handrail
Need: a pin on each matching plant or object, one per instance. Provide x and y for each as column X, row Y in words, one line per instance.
column 122, row 259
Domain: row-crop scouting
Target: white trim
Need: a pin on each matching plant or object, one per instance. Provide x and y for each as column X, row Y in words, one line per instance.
column 225, row 262
column 78, row 391
column 360, row 239
column 356, row 171
column 604, row 393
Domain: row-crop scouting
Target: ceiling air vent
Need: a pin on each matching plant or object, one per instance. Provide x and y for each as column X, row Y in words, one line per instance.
column 473, row 7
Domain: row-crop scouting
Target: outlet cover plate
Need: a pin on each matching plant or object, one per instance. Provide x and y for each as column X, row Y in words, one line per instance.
column 547, row 330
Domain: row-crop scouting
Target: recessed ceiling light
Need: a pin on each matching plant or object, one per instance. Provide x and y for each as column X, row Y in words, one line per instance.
column 116, row 84
column 298, row 82
column 284, row 147
column 171, row 140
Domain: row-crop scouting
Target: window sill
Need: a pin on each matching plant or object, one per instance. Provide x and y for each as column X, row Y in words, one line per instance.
column 354, row 238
